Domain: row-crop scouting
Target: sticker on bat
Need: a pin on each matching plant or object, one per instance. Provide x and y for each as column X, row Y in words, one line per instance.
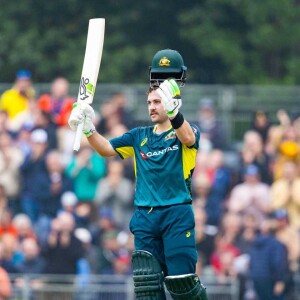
column 86, row 88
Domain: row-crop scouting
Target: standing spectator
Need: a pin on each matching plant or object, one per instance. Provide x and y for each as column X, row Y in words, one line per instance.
column 63, row 250
column 268, row 265
column 5, row 285
column 34, row 174
column 10, row 160
column 285, row 193
column 116, row 191
column 86, row 169
column 58, row 102
column 15, row 100
column 210, row 125
column 250, row 196
column 261, row 124
column 44, row 121
column 254, row 147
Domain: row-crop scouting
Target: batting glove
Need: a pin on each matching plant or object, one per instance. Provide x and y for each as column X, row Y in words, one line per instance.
column 170, row 97
column 82, row 112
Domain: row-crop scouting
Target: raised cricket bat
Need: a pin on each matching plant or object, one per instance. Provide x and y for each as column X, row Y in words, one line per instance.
column 90, row 69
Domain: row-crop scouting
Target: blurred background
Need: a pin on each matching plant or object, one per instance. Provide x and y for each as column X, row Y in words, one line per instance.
column 64, row 216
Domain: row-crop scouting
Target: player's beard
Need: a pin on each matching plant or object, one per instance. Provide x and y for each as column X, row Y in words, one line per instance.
column 158, row 118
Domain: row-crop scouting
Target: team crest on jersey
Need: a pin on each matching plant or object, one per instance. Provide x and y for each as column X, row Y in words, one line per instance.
column 144, row 141
column 171, row 135
column 164, row 62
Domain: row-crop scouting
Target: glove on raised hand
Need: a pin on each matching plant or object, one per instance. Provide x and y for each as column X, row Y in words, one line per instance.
column 82, row 112
column 170, row 97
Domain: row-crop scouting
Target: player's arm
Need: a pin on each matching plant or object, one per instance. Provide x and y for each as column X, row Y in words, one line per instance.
column 83, row 112
column 171, row 99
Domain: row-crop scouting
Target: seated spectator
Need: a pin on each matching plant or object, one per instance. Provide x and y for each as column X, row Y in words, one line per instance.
column 285, row 193
column 250, row 196
column 116, row 192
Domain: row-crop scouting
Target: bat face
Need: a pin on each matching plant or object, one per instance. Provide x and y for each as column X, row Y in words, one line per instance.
column 90, row 69
column 92, row 59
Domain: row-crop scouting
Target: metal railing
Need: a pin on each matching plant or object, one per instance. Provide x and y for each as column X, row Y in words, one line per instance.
column 94, row 287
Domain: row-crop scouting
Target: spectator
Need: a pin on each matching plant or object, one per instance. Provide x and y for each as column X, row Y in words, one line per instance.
column 250, row 196
column 10, row 160
column 248, row 233
column 285, row 193
column 43, row 120
column 289, row 236
column 86, row 169
column 253, row 143
column 10, row 254
column 24, row 228
column 116, row 192
column 63, row 250
column 6, row 225
column 34, row 174
column 288, row 150
column 261, row 124
column 15, row 100
column 211, row 127
column 33, row 263
column 268, row 265
column 57, row 103
column 90, row 250
column 5, row 285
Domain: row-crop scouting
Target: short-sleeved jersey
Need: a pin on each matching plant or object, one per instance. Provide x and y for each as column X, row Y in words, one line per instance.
column 163, row 165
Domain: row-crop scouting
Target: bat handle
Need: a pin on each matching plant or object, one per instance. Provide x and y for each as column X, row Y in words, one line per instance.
column 78, row 135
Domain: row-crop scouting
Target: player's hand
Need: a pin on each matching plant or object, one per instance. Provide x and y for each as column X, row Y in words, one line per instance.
column 170, row 97
column 82, row 113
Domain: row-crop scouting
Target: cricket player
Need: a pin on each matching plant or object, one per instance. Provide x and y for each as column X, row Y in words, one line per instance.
column 164, row 159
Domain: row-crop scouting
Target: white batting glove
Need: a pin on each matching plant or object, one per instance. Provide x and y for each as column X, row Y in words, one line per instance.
column 82, row 112
column 170, row 97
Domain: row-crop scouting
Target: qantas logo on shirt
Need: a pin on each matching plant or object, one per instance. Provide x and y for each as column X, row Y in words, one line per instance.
column 161, row 152
column 143, row 155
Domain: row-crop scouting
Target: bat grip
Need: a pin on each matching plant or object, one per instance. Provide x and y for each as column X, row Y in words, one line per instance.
column 78, row 135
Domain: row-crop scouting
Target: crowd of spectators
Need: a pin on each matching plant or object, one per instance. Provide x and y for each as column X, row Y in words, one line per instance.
column 68, row 213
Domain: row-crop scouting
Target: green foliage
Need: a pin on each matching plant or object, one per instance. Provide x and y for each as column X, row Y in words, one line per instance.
column 222, row 41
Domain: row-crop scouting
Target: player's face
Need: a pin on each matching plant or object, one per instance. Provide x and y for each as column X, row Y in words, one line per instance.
column 156, row 109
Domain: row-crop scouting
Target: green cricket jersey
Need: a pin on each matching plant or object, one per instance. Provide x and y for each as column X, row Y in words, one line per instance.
column 163, row 166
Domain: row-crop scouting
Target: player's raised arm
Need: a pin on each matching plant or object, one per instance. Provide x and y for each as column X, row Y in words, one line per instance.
column 171, row 99
column 84, row 113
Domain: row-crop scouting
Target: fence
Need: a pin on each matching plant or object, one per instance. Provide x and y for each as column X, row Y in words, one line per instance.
column 106, row 287
column 234, row 103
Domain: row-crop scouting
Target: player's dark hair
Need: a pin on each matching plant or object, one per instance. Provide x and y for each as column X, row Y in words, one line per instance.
column 151, row 89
